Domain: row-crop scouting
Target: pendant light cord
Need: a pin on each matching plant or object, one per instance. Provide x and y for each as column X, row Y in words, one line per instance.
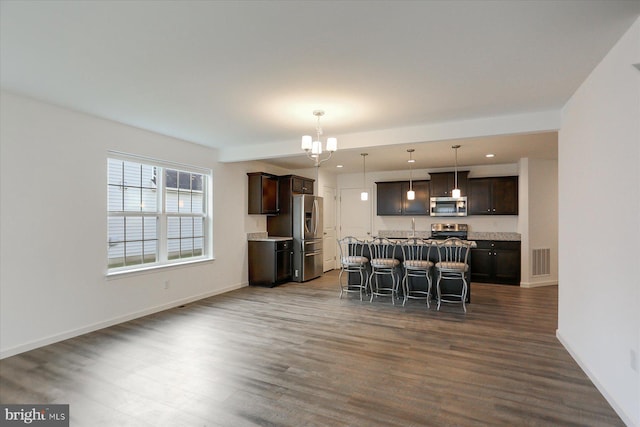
column 364, row 169
column 410, row 174
column 455, row 167
column 410, row 151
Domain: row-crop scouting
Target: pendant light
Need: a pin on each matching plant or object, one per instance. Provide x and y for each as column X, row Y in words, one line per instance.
column 411, row 195
column 364, row 196
column 455, row 193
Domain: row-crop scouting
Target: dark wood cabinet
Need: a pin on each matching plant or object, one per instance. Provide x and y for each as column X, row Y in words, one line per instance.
column 269, row 262
column 420, row 205
column 479, row 200
column 505, row 195
column 288, row 186
column 391, row 198
column 496, row 262
column 263, row 193
column 493, row 196
column 442, row 183
column 300, row 185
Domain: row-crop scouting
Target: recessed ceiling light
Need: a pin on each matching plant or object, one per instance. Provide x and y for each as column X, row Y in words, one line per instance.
column 489, row 155
column 339, row 166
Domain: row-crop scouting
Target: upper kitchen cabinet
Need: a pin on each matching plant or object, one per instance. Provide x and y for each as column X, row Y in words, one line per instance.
column 443, row 182
column 493, row 196
column 300, row 185
column 389, row 198
column 420, row 205
column 392, row 198
column 263, row 193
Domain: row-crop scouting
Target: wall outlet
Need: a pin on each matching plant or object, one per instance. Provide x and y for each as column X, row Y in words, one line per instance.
column 166, row 284
column 634, row 360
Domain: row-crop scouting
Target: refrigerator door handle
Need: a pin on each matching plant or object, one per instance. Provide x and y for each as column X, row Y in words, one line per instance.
column 316, row 214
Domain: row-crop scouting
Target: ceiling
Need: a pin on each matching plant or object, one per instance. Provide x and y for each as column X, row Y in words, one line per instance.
column 245, row 76
column 436, row 155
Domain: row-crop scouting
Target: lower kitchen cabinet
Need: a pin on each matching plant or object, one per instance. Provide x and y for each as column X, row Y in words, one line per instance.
column 270, row 261
column 496, row 262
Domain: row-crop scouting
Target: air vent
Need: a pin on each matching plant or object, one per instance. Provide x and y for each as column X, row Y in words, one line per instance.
column 541, row 262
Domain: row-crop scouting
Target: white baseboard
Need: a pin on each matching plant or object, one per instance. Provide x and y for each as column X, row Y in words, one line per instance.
column 538, row 284
column 625, row 418
column 32, row 345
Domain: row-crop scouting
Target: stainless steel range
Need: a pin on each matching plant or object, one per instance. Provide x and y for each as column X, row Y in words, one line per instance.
column 444, row 231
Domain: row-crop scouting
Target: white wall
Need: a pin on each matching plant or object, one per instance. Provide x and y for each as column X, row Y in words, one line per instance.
column 538, row 219
column 53, row 249
column 599, row 164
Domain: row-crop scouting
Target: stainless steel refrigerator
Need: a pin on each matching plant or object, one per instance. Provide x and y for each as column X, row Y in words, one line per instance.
column 307, row 237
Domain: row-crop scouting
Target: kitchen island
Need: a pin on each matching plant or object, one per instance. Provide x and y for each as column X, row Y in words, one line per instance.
column 447, row 286
column 496, row 258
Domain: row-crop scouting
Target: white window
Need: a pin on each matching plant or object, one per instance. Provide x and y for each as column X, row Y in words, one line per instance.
column 157, row 213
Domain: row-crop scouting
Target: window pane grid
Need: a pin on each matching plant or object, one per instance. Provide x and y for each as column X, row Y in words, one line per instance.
column 131, row 187
column 185, row 192
column 135, row 214
column 132, row 240
column 185, row 237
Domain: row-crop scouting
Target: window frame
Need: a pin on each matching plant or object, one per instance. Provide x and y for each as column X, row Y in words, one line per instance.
column 163, row 215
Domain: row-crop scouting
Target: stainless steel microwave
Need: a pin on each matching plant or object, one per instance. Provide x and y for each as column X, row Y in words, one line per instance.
column 448, row 206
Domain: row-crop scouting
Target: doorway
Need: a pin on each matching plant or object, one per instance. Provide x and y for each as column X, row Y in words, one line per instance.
column 355, row 214
column 329, row 231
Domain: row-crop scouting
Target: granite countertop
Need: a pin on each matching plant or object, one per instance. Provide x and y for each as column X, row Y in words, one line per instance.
column 264, row 237
column 472, row 235
column 494, row 235
column 403, row 234
column 271, row 239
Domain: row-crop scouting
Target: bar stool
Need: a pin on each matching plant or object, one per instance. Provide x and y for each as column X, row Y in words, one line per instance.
column 383, row 263
column 416, row 253
column 453, row 254
column 352, row 260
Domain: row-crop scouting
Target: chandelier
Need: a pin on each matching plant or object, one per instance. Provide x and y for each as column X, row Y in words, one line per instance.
column 314, row 148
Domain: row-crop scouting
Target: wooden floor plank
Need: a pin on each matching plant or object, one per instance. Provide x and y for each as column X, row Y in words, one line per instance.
column 297, row 355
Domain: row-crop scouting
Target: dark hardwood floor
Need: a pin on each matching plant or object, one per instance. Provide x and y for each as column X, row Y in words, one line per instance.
column 296, row 355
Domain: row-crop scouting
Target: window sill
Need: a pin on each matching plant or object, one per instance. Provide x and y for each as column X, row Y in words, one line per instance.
column 155, row 268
